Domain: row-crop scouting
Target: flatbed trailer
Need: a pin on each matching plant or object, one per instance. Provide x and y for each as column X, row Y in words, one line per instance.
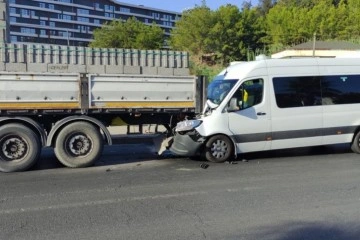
column 71, row 112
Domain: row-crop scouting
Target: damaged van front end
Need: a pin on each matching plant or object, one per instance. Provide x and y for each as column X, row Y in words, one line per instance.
column 187, row 140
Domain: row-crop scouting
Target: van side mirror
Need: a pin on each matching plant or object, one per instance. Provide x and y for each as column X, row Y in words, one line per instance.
column 232, row 105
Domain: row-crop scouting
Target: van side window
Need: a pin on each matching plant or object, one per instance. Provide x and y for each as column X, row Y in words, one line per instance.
column 317, row 90
column 249, row 94
column 297, row 91
column 340, row 89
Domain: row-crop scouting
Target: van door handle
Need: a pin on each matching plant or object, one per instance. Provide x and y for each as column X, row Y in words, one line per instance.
column 260, row 113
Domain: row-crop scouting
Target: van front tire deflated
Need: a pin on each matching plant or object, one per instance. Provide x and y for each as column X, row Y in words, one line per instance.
column 219, row 148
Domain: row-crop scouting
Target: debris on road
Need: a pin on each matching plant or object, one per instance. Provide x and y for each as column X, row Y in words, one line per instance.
column 204, row 165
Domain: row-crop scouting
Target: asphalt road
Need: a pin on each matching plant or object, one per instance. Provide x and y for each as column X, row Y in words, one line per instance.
column 133, row 194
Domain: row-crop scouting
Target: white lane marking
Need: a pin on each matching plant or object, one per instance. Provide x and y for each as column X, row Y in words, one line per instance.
column 100, row 202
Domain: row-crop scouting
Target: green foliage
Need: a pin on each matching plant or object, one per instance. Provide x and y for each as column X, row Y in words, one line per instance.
column 192, row 31
column 293, row 21
column 226, row 33
column 129, row 34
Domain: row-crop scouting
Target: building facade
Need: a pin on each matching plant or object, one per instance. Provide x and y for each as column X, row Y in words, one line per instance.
column 72, row 22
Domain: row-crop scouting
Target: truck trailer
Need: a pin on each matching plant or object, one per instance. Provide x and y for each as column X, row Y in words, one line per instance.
column 71, row 112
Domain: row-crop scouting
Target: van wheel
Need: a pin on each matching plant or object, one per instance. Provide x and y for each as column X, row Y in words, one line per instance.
column 79, row 144
column 218, row 148
column 20, row 148
column 355, row 146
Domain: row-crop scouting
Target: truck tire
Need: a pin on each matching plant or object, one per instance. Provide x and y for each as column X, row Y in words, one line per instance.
column 355, row 145
column 19, row 148
column 79, row 144
column 218, row 148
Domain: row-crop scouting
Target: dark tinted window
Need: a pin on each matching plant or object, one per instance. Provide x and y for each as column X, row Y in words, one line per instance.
column 297, row 91
column 341, row 89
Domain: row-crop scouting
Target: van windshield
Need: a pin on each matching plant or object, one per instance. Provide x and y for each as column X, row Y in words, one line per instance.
column 218, row 89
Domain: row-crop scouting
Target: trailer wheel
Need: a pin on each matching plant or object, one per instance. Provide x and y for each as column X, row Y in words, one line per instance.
column 79, row 144
column 19, row 148
column 218, row 148
column 355, row 146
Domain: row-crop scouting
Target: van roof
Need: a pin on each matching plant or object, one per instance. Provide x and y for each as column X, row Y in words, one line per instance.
column 242, row 69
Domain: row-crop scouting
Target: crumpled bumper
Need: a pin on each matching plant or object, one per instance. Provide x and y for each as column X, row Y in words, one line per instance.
column 187, row 144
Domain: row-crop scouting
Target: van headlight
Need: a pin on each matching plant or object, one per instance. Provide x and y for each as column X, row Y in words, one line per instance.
column 187, row 125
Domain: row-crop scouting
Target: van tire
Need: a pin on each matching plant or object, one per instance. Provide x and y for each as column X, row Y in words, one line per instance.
column 219, row 148
column 79, row 144
column 355, row 146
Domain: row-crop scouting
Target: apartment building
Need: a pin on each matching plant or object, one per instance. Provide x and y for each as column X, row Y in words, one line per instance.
column 72, row 22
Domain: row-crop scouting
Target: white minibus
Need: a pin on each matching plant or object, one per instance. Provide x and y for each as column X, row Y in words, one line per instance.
column 275, row 104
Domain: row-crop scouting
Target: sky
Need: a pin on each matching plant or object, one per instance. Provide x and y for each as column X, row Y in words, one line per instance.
column 180, row 5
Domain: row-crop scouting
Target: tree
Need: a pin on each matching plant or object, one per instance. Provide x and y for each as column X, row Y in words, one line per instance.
column 192, row 30
column 130, row 34
column 265, row 6
column 224, row 35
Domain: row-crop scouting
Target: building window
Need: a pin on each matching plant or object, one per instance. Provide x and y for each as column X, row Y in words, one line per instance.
column 13, row 39
column 42, row 23
column 25, row 13
column 64, row 17
column 83, row 29
column 66, row 1
column 12, row 10
column 42, row 32
column 109, row 8
column 167, row 17
column 83, row 11
column 97, row 5
column 12, row 1
column 83, row 19
column 97, row 21
column 156, row 15
column 51, row 6
column 109, row 15
column 52, row 24
column 124, row 10
column 13, row 19
column 28, row 30
column 42, row 5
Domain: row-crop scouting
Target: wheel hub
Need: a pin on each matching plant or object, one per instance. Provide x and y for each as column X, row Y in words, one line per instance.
column 79, row 145
column 14, row 148
column 219, row 149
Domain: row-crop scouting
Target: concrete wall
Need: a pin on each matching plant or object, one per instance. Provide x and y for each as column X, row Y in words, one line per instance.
column 64, row 59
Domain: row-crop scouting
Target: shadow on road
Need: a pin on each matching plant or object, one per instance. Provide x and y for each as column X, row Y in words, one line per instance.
column 311, row 231
column 112, row 155
column 130, row 150
column 305, row 151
